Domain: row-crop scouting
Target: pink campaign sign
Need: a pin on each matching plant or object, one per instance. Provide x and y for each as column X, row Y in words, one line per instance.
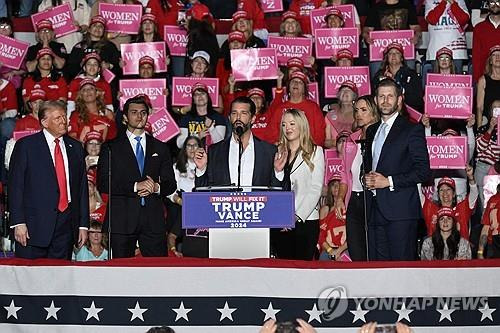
column 447, row 152
column 176, row 39
column 181, row 89
column 153, row 88
column 449, row 80
column 333, row 166
column 254, row 64
column 21, row 134
column 329, row 41
column 318, row 17
column 108, row 75
column 131, row 53
column 290, row 47
column 271, row 6
column 413, row 114
column 448, row 102
column 312, row 89
column 163, row 125
column 335, row 76
column 12, row 52
column 382, row 39
column 121, row 18
column 61, row 18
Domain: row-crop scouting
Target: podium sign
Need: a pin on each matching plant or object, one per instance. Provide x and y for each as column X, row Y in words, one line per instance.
column 238, row 210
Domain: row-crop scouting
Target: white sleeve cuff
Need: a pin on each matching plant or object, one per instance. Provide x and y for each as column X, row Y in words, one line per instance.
column 201, row 172
column 13, row 226
column 135, row 187
column 391, row 184
column 280, row 175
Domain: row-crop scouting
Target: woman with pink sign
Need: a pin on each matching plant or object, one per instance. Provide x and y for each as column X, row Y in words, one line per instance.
column 340, row 115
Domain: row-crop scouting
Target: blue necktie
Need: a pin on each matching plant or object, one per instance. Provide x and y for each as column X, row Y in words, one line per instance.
column 378, row 144
column 139, row 155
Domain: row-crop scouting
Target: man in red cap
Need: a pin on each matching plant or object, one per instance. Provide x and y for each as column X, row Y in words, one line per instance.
column 256, row 15
column 146, row 67
column 142, row 174
column 45, row 39
column 304, row 8
column 334, row 18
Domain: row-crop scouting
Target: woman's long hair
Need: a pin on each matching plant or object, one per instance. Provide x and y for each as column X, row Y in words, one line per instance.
column 306, row 145
column 451, row 242
column 454, row 201
column 139, row 38
column 210, row 108
column 104, row 242
column 436, row 68
column 87, row 42
column 54, row 74
column 81, row 108
column 182, row 158
column 385, row 62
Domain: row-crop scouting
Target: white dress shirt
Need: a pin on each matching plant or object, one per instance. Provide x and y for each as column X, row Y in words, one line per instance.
column 133, row 142
column 52, row 147
column 389, row 123
column 247, row 162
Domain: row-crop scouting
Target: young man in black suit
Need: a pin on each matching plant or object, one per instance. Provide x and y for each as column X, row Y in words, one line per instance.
column 142, row 174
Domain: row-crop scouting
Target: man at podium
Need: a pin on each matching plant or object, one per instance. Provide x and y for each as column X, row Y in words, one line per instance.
column 261, row 163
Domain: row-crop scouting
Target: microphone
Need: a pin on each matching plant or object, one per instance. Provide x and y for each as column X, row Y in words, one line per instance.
column 239, row 131
column 362, row 141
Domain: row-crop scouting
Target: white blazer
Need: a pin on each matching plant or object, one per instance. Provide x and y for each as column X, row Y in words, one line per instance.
column 307, row 185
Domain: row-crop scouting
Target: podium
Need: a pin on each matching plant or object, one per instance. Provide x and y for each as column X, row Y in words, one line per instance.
column 239, row 222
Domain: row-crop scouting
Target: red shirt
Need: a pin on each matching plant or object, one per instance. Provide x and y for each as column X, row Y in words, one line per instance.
column 8, row 96
column 28, row 123
column 313, row 115
column 163, row 16
column 254, row 10
column 331, row 224
column 303, row 8
column 102, row 124
column 493, row 203
column 54, row 90
column 485, row 36
column 99, row 214
column 101, row 85
column 462, row 215
column 260, row 127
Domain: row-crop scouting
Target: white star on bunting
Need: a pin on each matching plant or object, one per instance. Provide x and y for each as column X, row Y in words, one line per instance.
column 226, row 312
column 52, row 311
column 270, row 312
column 314, row 314
column 181, row 312
column 445, row 313
column 92, row 312
column 12, row 309
column 486, row 312
column 359, row 314
column 137, row 312
column 403, row 313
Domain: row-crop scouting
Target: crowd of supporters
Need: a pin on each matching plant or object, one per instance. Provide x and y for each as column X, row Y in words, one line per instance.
column 459, row 221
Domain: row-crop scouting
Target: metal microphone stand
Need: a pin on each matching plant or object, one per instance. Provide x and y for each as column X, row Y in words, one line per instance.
column 362, row 180
column 110, row 254
column 240, row 153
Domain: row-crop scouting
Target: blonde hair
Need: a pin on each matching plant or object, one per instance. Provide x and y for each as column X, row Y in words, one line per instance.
column 488, row 68
column 298, row 28
column 81, row 108
column 306, row 145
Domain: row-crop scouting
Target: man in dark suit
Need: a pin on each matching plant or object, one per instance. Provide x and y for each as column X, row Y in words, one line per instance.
column 142, row 174
column 261, row 164
column 395, row 162
column 48, row 193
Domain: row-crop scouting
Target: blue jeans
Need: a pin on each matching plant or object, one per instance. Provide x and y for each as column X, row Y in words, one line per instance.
column 25, row 8
column 3, row 8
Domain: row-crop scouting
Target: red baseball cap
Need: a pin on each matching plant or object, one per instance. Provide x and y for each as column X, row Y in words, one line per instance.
column 289, row 14
column 450, row 132
column 85, row 82
column 256, row 91
column 396, row 46
column 37, row 94
column 446, row 181
column 494, row 48
column 240, row 14
column 91, row 55
column 98, row 19
column 148, row 17
column 200, row 86
column 444, row 51
column 345, row 54
column 199, row 11
column 295, row 62
column 445, row 211
column 351, row 85
column 336, row 12
column 44, row 24
column 44, row 51
column 93, row 135
column 299, row 75
column 236, row 35
column 147, row 60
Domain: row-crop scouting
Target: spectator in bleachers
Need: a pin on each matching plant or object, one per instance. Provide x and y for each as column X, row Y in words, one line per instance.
column 201, row 35
column 199, row 64
column 95, row 247
column 486, row 35
column 391, row 15
column 45, row 39
column 30, row 121
column 201, row 120
column 262, row 115
column 94, row 40
column 447, row 197
column 81, row 16
column 165, row 11
column 489, row 240
column 445, row 242
column 97, row 203
column 13, row 75
column 444, row 63
column 92, row 143
column 46, row 77
column 340, row 115
column 357, row 22
column 304, row 175
column 447, row 23
column 394, row 66
column 343, row 58
column 290, row 26
column 117, row 38
column 254, row 10
column 236, row 41
column 303, row 8
column 194, row 242
column 488, row 151
column 332, row 230
column 350, row 203
column 479, row 11
column 91, row 114
column 91, row 69
column 297, row 99
column 488, row 86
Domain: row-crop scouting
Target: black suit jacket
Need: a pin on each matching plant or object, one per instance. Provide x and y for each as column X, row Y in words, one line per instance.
column 33, row 189
column 125, row 204
column 217, row 173
column 404, row 156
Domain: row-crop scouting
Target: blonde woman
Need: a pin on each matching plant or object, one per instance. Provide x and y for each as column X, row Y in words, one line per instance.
column 305, row 171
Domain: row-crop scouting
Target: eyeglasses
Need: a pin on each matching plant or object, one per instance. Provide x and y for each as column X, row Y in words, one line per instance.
column 4, row 26
column 192, row 146
column 496, row 2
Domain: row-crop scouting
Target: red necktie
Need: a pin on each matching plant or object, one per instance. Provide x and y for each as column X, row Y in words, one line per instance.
column 61, row 178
